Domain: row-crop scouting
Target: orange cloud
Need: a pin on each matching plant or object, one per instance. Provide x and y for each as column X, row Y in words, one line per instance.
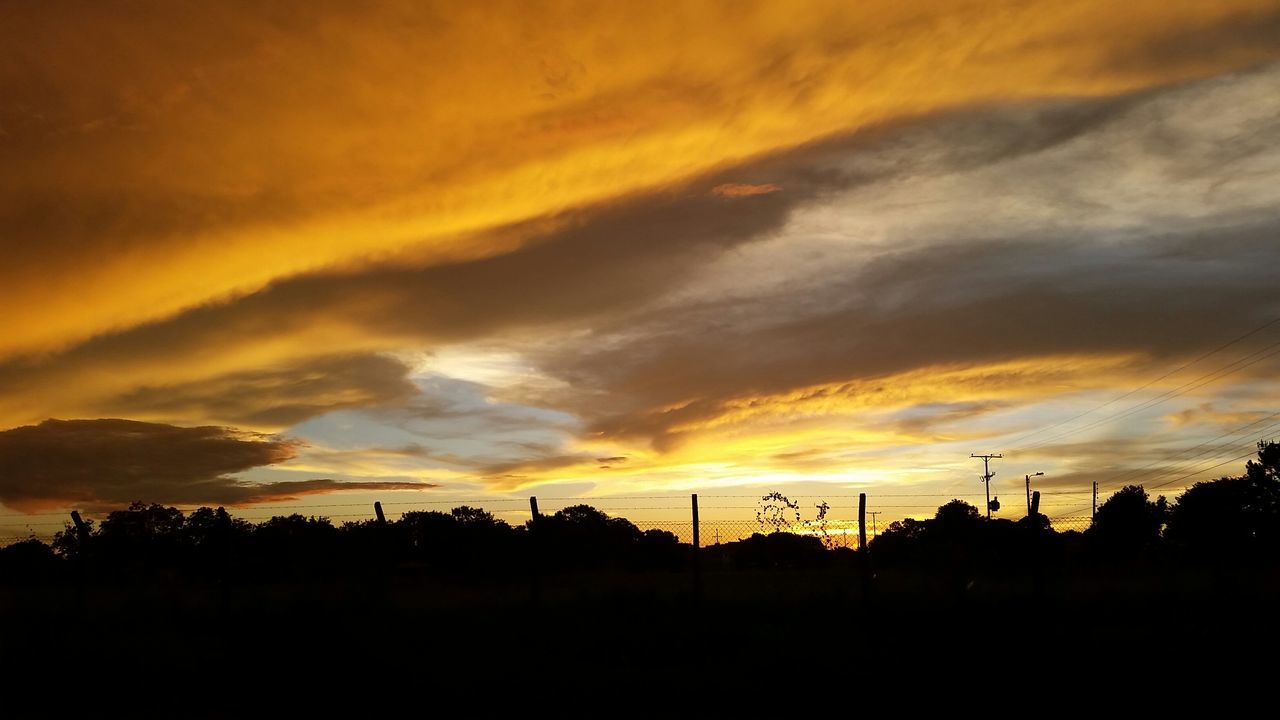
column 159, row 159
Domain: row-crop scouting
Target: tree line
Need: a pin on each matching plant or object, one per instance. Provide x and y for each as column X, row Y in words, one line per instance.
column 1232, row 519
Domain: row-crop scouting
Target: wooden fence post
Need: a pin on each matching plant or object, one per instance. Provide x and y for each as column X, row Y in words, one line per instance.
column 534, row 553
column 696, row 537
column 82, row 530
column 862, row 521
column 377, row 510
column 697, row 543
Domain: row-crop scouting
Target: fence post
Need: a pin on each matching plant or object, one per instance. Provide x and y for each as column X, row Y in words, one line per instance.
column 82, row 530
column 534, row 553
column 696, row 537
column 1035, row 503
column 697, row 543
column 862, row 521
column 377, row 510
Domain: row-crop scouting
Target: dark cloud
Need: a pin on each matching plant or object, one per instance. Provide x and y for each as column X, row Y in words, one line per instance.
column 275, row 397
column 975, row 302
column 104, row 463
column 1246, row 38
column 510, row 475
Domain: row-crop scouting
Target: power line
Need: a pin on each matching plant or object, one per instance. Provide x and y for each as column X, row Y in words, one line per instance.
column 1129, row 476
column 1186, row 387
column 1175, row 371
column 1197, row 472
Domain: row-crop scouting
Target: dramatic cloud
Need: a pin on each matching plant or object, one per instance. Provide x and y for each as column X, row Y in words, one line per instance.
column 166, row 157
column 104, row 463
column 728, row 243
column 888, row 261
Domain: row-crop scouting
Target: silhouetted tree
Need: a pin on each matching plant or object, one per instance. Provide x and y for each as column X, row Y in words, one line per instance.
column 581, row 537
column 142, row 538
column 213, row 540
column 1128, row 521
column 1233, row 515
column 464, row 539
column 952, row 531
column 957, row 517
column 1267, row 466
column 295, row 543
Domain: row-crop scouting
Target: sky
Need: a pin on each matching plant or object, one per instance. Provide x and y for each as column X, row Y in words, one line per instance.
column 305, row 255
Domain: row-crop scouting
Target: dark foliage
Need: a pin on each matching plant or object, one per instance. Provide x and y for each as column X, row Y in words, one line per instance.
column 959, row 539
column 1128, row 522
column 1229, row 519
column 26, row 561
column 1233, row 517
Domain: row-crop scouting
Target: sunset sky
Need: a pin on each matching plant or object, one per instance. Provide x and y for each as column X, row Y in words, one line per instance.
column 309, row 254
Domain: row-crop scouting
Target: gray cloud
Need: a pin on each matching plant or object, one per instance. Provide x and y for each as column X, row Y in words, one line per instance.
column 274, row 397
column 976, row 302
column 106, row 463
column 1045, row 248
column 1249, row 37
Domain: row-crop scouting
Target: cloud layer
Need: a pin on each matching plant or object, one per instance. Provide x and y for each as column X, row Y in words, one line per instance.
column 104, row 463
column 167, row 157
column 789, row 241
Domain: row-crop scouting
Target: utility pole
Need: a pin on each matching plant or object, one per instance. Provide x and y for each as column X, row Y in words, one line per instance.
column 1028, row 477
column 1094, row 513
column 987, row 475
column 873, row 513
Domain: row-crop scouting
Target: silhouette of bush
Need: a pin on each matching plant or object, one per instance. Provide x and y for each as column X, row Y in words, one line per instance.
column 776, row 551
column 26, row 561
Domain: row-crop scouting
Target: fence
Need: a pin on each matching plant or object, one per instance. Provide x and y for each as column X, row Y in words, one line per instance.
column 725, row 518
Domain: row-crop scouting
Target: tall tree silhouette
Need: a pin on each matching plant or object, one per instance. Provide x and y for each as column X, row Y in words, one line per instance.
column 1232, row 515
column 1128, row 521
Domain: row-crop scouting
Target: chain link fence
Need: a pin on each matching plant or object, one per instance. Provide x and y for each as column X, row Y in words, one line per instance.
column 724, row 519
